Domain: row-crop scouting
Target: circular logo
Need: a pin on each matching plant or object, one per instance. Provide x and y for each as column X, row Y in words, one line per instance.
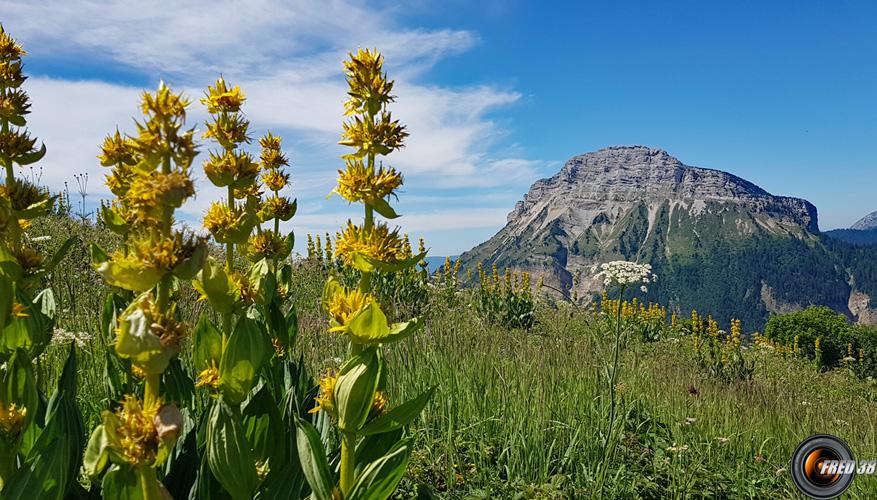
column 823, row 466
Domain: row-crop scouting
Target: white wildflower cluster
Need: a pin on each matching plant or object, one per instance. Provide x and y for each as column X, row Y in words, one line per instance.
column 624, row 273
column 61, row 337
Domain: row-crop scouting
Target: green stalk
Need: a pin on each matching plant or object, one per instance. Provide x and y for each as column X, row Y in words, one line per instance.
column 229, row 247
column 607, row 445
column 151, row 390
column 10, row 173
column 348, row 454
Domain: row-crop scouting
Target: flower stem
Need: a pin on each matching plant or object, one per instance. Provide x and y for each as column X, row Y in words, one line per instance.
column 613, row 375
column 151, row 391
column 229, row 247
column 348, row 453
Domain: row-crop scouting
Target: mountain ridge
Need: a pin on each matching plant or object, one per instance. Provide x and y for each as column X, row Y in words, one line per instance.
column 641, row 203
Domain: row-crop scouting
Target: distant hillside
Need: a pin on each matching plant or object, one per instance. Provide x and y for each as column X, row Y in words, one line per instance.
column 863, row 232
column 854, row 236
column 719, row 243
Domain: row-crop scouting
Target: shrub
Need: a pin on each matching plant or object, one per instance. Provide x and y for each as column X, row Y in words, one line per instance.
column 817, row 322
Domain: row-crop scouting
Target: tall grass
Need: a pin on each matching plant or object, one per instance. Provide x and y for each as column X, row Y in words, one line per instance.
column 518, row 413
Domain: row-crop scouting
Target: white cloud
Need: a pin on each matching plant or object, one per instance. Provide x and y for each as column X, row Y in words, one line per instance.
column 287, row 58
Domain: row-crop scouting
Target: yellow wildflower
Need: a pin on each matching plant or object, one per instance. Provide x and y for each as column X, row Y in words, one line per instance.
column 369, row 87
column 275, row 180
column 265, row 245
column 164, row 104
column 138, row 438
column 344, row 305
column 359, row 183
column 12, row 419
column 116, row 150
column 150, row 195
column 379, row 405
column 378, row 243
column 228, row 130
column 19, row 310
column 231, row 169
column 209, row 377
column 326, row 398
column 277, row 207
column 379, row 137
column 10, row 49
column 221, row 99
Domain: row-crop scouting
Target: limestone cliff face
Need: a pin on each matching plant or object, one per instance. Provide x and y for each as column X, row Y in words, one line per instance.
column 640, row 203
column 617, row 178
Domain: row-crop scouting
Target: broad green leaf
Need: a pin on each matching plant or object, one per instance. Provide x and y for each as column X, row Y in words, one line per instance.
column 29, row 330
column 355, row 388
column 213, row 283
column 52, row 465
column 369, row 326
column 379, row 479
column 263, row 427
column 399, row 416
column 399, row 331
column 208, row 345
column 248, row 348
column 228, row 453
column 313, row 460
column 136, row 341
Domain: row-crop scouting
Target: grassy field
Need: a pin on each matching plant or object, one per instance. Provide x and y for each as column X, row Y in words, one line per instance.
column 521, row 414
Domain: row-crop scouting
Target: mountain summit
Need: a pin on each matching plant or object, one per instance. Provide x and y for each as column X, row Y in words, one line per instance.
column 866, row 223
column 719, row 242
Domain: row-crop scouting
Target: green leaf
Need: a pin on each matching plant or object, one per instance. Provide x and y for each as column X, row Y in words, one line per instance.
column 355, row 388
column 291, row 327
column 32, row 156
column 262, row 426
column 228, row 453
column 61, row 252
column 373, row 447
column 399, row 331
column 248, row 348
column 52, row 465
column 9, row 265
column 208, row 344
column 399, row 416
column 189, row 267
column 29, row 331
column 132, row 483
column 263, row 281
column 367, row 264
column 18, row 385
column 213, row 283
column 382, row 207
column 313, row 460
column 113, row 221
column 137, row 342
column 369, row 326
column 97, row 451
column 6, row 291
column 379, row 479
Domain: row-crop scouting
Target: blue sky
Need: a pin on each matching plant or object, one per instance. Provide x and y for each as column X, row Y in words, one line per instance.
column 495, row 94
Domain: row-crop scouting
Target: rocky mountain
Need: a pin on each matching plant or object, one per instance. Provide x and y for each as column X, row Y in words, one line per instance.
column 866, row 223
column 719, row 243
